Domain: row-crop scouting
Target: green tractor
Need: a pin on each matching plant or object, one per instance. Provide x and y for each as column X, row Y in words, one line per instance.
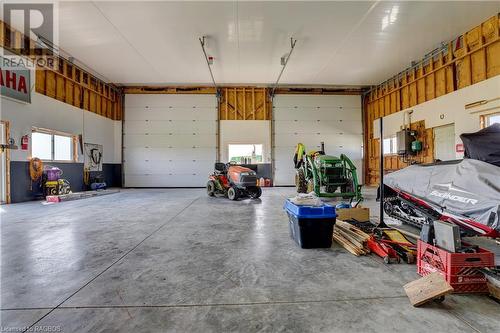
column 325, row 175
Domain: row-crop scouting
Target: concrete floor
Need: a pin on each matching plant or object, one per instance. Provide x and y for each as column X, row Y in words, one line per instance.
column 177, row 260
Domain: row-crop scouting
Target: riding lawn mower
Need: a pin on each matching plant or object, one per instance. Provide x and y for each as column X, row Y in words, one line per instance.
column 233, row 181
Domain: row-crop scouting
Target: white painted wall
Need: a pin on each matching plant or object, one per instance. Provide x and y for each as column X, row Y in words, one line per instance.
column 245, row 132
column 52, row 114
column 449, row 109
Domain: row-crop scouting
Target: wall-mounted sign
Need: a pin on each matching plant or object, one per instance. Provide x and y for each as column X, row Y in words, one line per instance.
column 15, row 80
column 93, row 157
column 459, row 148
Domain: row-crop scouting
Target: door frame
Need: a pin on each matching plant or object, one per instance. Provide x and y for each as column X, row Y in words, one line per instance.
column 434, row 137
column 7, row 161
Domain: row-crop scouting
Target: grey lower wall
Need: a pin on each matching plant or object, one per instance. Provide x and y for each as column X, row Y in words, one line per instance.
column 22, row 189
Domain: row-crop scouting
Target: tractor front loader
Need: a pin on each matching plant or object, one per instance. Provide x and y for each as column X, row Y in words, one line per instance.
column 325, row 175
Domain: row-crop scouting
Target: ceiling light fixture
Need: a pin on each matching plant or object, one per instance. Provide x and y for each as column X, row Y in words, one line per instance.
column 391, row 17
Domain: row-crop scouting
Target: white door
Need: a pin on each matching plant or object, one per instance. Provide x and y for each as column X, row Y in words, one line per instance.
column 169, row 140
column 310, row 119
column 3, row 165
column 444, row 143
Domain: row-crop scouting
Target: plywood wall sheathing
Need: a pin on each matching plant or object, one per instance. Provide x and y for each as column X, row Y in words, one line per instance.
column 393, row 162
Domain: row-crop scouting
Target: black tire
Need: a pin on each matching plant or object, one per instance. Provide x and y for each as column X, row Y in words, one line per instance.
column 349, row 187
column 310, row 186
column 254, row 192
column 300, row 181
column 211, row 188
column 440, row 299
column 233, row 193
column 410, row 258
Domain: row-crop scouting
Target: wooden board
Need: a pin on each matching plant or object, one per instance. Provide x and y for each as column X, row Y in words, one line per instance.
column 427, row 288
column 494, row 290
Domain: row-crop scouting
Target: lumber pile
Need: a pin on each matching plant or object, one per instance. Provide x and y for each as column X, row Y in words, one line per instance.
column 351, row 238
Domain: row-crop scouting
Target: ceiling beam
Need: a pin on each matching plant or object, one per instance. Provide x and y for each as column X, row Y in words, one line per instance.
column 169, row 90
column 212, row 90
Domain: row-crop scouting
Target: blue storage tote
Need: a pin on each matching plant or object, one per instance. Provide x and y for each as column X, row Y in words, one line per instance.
column 311, row 226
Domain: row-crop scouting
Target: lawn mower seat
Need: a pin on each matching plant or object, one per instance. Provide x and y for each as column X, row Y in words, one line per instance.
column 220, row 167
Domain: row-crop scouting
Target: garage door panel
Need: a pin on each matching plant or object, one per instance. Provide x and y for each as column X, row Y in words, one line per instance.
column 317, row 126
column 157, row 167
column 136, row 166
column 166, row 180
column 135, row 140
column 327, row 101
column 189, row 140
column 136, row 127
column 174, row 154
column 179, row 167
column 150, row 100
column 169, row 141
column 138, row 153
column 136, row 113
column 285, row 174
column 311, row 141
column 169, row 154
column 171, row 114
column 183, row 126
column 334, row 120
column 315, row 113
column 170, row 126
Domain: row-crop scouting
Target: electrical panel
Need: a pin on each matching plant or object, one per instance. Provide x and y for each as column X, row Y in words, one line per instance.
column 404, row 139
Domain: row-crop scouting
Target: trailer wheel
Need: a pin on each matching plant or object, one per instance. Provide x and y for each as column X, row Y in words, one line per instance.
column 300, row 181
column 211, row 188
column 233, row 193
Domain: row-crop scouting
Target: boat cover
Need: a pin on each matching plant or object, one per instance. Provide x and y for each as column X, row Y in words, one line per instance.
column 470, row 188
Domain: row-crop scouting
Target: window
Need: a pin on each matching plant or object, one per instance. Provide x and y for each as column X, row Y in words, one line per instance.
column 493, row 119
column 251, row 152
column 390, row 146
column 52, row 146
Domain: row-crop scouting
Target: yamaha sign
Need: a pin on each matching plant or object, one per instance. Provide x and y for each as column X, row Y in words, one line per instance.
column 15, row 81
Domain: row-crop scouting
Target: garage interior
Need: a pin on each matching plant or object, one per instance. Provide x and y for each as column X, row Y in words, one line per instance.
column 244, row 166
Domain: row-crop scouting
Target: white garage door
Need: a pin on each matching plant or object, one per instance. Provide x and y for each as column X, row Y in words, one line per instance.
column 336, row 120
column 169, row 140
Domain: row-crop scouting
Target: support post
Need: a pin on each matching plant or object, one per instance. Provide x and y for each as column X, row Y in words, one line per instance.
column 381, row 223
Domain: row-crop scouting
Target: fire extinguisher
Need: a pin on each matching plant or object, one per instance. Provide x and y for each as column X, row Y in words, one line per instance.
column 24, row 142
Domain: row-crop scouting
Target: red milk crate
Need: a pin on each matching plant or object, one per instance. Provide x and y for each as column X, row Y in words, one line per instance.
column 459, row 269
